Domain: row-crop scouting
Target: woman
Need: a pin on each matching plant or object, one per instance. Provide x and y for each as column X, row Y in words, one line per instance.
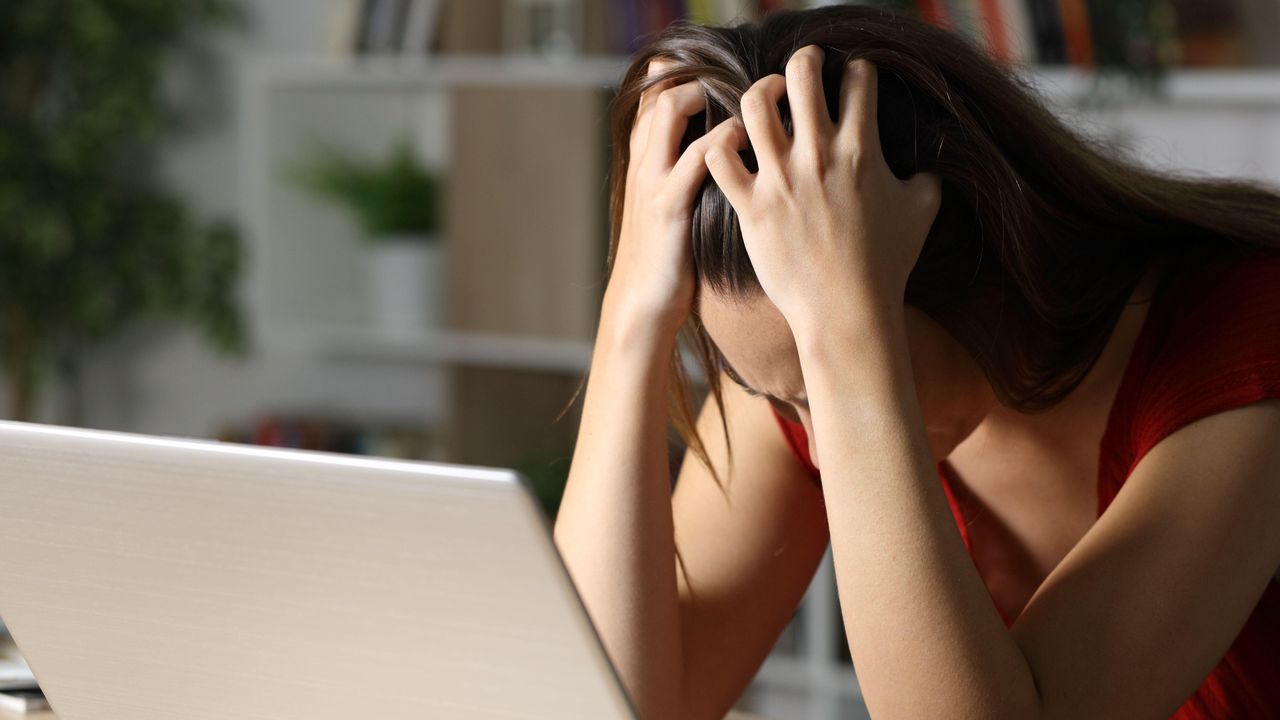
column 984, row 331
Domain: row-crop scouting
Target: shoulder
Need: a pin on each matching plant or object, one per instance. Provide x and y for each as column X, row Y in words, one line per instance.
column 1211, row 344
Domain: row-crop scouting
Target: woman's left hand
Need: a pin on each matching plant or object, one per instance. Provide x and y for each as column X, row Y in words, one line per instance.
column 826, row 223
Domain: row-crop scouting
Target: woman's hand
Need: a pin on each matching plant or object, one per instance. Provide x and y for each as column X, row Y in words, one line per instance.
column 826, row 223
column 653, row 269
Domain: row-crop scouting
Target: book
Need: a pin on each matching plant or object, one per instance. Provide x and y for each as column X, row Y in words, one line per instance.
column 470, row 27
column 343, row 36
column 1261, row 22
column 629, row 25
column 15, row 674
column 1210, row 33
column 964, row 19
column 1046, row 30
column 421, row 23
column 934, row 11
column 1075, row 32
column 381, row 25
column 23, row 702
column 995, row 29
column 1017, row 24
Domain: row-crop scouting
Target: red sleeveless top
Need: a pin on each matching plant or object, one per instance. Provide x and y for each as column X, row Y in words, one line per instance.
column 1210, row 342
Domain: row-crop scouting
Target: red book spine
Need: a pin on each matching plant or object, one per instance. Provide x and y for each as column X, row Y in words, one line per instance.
column 934, row 11
column 771, row 5
column 996, row 28
column 1075, row 30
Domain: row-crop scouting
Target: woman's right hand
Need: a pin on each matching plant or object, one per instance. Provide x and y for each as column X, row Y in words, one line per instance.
column 652, row 278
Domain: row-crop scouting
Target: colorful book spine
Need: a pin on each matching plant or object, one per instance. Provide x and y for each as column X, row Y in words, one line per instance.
column 965, row 19
column 1046, row 28
column 934, row 11
column 629, row 24
column 1075, row 32
column 1018, row 31
column 767, row 6
column 703, row 12
column 995, row 30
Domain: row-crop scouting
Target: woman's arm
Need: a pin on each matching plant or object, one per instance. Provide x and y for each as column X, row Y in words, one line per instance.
column 614, row 527
column 1126, row 626
column 925, row 636
column 1179, row 559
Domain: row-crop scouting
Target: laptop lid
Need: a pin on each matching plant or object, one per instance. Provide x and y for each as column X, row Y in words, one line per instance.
column 147, row 578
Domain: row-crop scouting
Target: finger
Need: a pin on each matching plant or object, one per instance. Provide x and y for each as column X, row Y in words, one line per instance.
column 670, row 118
column 691, row 168
column 644, row 110
column 926, row 189
column 809, row 116
column 858, row 97
column 763, row 121
column 721, row 158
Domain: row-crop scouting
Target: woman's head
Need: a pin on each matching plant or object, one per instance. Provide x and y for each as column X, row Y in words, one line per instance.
column 756, row 350
column 1041, row 236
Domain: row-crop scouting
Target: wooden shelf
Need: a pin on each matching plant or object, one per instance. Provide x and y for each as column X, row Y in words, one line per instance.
column 426, row 73
column 1207, row 86
column 474, row 349
column 511, row 352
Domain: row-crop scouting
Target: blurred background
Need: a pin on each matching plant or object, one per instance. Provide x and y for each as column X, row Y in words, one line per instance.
column 379, row 226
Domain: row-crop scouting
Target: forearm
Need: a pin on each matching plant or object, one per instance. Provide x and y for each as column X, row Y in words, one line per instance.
column 614, row 527
column 925, row 636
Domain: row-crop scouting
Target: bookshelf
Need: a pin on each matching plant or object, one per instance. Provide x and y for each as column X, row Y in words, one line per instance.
column 489, row 362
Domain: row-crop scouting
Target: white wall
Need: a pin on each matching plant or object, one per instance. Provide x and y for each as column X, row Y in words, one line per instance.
column 168, row 381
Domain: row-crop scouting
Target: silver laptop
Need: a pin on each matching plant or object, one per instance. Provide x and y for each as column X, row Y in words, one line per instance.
column 150, row 579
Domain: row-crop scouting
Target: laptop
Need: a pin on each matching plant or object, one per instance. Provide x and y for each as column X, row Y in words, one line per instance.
column 148, row 578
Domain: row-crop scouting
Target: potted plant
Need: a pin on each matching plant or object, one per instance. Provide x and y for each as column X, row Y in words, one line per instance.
column 91, row 240
column 397, row 203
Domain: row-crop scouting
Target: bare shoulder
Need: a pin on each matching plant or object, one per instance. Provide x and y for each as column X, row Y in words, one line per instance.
column 1186, row 550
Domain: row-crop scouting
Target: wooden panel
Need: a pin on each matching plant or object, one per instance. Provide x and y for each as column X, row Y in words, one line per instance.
column 506, row 418
column 525, row 222
column 470, row 27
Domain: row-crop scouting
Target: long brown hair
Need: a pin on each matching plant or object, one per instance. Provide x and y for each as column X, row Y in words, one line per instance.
column 1041, row 236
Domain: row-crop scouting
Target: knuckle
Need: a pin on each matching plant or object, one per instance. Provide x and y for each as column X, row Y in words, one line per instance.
column 766, row 85
column 931, row 195
column 658, row 65
column 717, row 155
column 754, row 102
column 803, row 73
column 860, row 172
column 854, row 149
column 668, row 101
column 806, row 63
column 813, row 160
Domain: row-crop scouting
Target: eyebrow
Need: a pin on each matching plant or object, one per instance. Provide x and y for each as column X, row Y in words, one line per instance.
column 735, row 377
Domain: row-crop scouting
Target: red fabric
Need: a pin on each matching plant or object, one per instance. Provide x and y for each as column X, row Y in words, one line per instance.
column 1210, row 343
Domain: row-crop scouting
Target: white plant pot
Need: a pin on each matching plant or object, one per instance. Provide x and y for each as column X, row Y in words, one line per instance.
column 406, row 284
